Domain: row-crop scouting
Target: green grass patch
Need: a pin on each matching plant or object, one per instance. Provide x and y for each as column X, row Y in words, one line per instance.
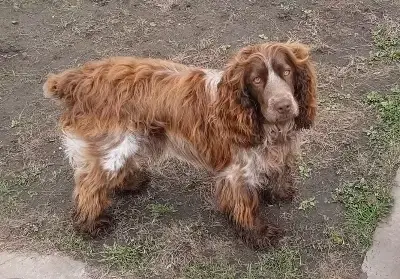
column 387, row 132
column 123, row 257
column 134, row 256
column 308, row 204
column 284, row 263
column 387, row 41
column 217, row 270
column 335, row 236
column 304, row 171
column 13, row 188
column 157, row 209
column 368, row 199
column 365, row 205
column 7, row 192
column 75, row 244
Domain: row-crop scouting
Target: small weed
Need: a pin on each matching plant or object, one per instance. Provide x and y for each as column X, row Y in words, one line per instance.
column 287, row 10
column 6, row 190
column 15, row 123
column 387, row 41
column 157, row 210
column 308, row 204
column 304, row 171
column 9, row 197
column 335, row 237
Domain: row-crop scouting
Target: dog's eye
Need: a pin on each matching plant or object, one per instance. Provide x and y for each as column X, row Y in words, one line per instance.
column 257, row 80
column 286, row 72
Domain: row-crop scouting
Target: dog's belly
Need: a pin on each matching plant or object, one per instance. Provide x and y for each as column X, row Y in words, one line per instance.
column 112, row 152
column 178, row 147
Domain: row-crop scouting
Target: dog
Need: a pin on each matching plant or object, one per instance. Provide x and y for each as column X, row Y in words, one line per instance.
column 120, row 115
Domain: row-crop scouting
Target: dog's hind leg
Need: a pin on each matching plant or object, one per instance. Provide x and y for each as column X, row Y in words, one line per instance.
column 134, row 181
column 93, row 187
column 240, row 201
column 101, row 167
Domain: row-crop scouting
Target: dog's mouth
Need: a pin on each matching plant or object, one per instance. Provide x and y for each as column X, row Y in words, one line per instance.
column 276, row 118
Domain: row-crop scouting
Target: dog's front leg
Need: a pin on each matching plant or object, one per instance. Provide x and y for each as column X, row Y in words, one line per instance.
column 240, row 201
column 281, row 186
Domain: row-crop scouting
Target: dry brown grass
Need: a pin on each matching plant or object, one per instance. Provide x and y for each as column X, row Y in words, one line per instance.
column 334, row 267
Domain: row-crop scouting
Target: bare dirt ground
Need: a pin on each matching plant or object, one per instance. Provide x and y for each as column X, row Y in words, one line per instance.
column 171, row 229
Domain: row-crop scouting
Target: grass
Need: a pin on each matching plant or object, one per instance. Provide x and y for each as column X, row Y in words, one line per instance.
column 217, row 270
column 145, row 255
column 284, row 263
column 134, row 256
column 73, row 243
column 335, row 236
column 304, row 171
column 12, row 189
column 157, row 209
column 125, row 257
column 387, row 41
column 368, row 199
column 7, row 192
column 307, row 204
column 388, row 107
column 365, row 205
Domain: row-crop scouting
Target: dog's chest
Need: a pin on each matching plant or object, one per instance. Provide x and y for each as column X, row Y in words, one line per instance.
column 269, row 159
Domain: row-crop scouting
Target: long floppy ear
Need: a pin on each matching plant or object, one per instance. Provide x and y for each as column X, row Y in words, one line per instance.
column 305, row 86
column 235, row 73
column 237, row 106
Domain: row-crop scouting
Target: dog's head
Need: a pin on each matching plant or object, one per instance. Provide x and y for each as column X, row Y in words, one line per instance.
column 277, row 79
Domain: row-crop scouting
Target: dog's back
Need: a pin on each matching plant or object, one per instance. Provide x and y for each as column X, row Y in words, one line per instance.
column 95, row 75
column 126, row 91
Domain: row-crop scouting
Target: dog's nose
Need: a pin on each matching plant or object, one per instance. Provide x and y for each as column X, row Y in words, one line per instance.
column 283, row 106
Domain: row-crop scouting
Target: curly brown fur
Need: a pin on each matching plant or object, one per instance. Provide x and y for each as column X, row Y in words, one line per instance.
column 120, row 115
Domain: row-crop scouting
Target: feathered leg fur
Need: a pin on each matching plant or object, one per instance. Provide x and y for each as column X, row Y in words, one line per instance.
column 240, row 201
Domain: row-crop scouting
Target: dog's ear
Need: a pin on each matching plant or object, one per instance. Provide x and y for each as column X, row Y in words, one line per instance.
column 236, row 103
column 248, row 98
column 305, row 85
column 236, row 73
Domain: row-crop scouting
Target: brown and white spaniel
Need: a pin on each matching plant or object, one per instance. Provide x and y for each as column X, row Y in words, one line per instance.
column 122, row 114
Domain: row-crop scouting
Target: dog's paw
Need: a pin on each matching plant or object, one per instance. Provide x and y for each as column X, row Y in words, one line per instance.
column 134, row 184
column 97, row 228
column 283, row 194
column 263, row 237
column 286, row 194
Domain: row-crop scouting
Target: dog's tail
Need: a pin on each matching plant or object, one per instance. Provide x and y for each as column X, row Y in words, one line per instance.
column 62, row 86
